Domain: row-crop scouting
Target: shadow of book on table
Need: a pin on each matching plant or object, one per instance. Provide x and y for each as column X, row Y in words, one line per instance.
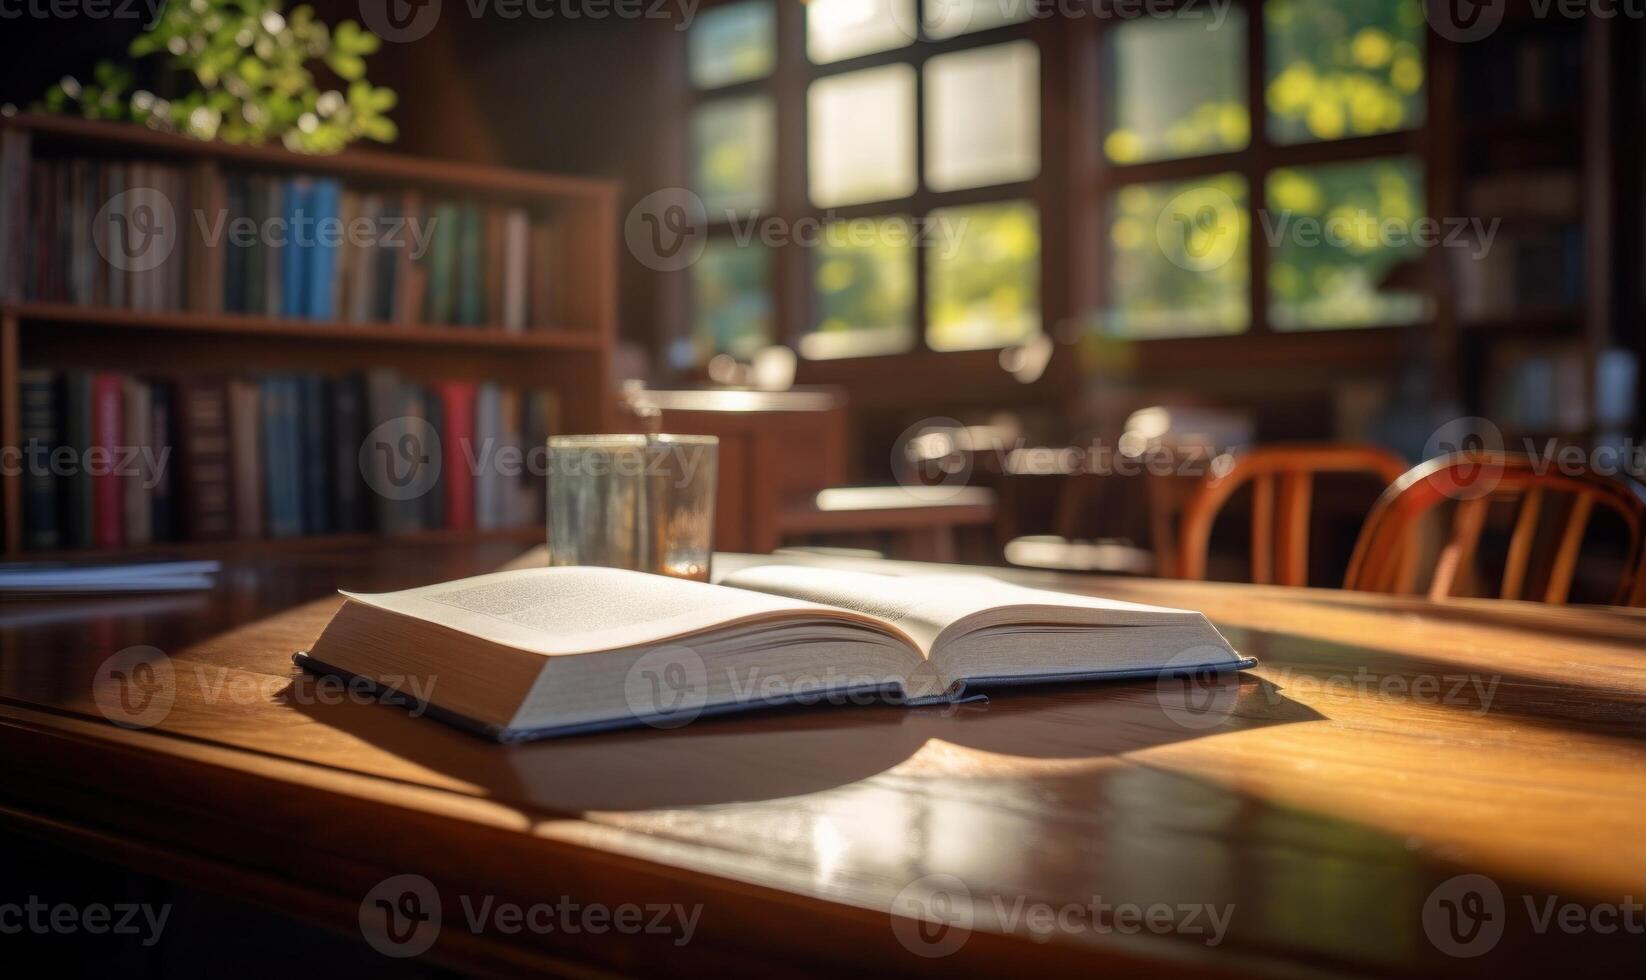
column 795, row 750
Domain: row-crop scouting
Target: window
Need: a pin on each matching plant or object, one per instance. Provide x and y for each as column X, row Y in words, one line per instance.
column 1220, row 210
column 982, row 118
column 861, row 136
column 983, row 276
column 913, row 224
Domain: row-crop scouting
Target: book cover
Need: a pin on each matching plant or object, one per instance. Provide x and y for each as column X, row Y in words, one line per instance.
column 108, row 436
column 457, row 398
column 37, row 395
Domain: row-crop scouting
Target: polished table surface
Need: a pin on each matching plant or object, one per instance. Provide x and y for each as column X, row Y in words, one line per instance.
column 1308, row 817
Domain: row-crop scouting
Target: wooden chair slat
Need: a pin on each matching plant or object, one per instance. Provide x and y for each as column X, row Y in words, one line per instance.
column 1520, row 545
column 1571, row 540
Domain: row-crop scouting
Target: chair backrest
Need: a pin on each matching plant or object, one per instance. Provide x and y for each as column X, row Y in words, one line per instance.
column 1387, row 553
column 1282, row 486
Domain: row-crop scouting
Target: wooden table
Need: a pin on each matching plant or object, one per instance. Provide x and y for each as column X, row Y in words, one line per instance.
column 1384, row 747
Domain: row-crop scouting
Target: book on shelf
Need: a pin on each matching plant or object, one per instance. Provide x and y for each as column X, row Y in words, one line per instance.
column 84, row 230
column 281, row 455
column 555, row 651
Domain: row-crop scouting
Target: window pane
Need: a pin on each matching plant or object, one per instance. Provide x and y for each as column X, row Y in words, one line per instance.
column 864, row 278
column 731, row 300
column 983, row 116
column 1178, row 261
column 839, row 29
column 860, row 127
column 1338, row 231
column 982, row 276
column 1342, row 68
column 1175, row 87
column 732, row 154
column 733, row 43
column 950, row 18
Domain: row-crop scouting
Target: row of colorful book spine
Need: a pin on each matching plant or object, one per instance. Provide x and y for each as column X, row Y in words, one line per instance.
column 115, row 460
column 157, row 237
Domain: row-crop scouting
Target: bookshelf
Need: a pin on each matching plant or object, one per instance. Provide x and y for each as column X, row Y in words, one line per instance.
column 1540, row 148
column 561, row 346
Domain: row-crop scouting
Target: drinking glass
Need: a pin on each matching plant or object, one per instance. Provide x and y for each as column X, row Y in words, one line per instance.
column 643, row 502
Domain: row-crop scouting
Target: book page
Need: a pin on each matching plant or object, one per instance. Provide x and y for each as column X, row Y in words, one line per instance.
column 926, row 605
column 556, row 611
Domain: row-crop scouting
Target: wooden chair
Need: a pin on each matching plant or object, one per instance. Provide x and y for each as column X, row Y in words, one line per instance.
column 1281, row 479
column 1386, row 554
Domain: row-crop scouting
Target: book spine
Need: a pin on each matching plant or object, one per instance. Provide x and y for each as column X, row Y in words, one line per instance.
column 294, row 255
column 322, row 250
column 441, row 261
column 77, row 519
column 348, row 416
column 315, row 453
column 162, row 502
column 108, row 435
column 235, row 255
column 458, row 398
column 542, row 259
column 434, row 502
column 488, row 425
column 516, row 245
column 246, row 457
column 208, row 490
column 471, row 273
column 136, row 483
column 38, row 396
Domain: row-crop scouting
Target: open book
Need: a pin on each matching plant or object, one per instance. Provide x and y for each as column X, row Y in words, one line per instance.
column 549, row 651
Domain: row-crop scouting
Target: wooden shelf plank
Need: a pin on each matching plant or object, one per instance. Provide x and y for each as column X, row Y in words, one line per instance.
column 526, row 535
column 239, row 324
column 353, row 162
